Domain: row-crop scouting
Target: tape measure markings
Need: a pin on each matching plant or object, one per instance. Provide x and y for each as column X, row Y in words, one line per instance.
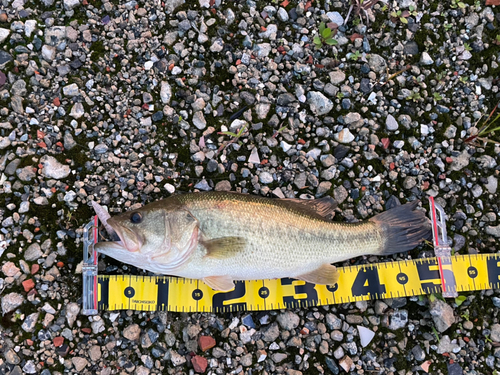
column 356, row 283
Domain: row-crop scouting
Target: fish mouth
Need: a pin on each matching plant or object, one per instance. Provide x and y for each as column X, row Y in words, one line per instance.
column 128, row 239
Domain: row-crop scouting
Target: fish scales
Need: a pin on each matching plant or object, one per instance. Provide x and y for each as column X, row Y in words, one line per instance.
column 220, row 237
column 281, row 240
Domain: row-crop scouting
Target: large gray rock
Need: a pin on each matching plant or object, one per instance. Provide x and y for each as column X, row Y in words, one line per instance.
column 442, row 315
column 460, row 161
column 33, row 252
column 377, row 63
column 55, row 35
column 493, row 231
column 53, row 169
column 318, row 103
column 288, row 320
column 71, row 4
column 30, row 322
column 11, row 302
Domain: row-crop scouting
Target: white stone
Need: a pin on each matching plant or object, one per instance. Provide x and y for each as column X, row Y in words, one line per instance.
column 53, row 169
column 48, row 53
column 285, row 146
column 165, row 92
column 29, row 27
column 254, row 156
column 4, row 33
column 336, row 17
column 344, row 136
column 199, row 120
column 492, row 184
column 424, row 129
column 71, row 4
column 217, row 45
column 399, row 144
column 71, row 90
column 170, row 188
column 390, row 123
column 148, row 65
column 319, row 103
column 262, row 49
column 426, row 59
column 365, row 335
column 77, row 111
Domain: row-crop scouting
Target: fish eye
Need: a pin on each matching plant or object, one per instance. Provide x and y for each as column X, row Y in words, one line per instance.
column 136, row 218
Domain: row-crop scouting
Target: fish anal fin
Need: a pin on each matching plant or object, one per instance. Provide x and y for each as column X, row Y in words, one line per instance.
column 324, row 207
column 324, row 275
column 224, row 247
column 219, row 283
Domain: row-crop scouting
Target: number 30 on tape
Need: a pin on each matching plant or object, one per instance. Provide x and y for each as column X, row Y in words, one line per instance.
column 356, row 283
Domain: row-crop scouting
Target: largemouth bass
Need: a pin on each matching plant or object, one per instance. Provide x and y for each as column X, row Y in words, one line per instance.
column 220, row 237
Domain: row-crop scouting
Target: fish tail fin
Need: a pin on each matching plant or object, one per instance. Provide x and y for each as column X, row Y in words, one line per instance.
column 403, row 228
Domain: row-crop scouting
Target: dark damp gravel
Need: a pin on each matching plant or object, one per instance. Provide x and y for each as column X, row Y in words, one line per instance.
column 126, row 103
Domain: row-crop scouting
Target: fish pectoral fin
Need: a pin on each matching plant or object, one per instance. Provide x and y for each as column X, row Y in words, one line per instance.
column 219, row 283
column 324, row 275
column 224, row 247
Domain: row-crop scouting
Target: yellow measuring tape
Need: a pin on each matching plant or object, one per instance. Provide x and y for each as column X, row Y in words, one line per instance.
column 356, row 283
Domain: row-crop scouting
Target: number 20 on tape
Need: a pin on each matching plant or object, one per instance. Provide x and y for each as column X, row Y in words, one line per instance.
column 356, row 283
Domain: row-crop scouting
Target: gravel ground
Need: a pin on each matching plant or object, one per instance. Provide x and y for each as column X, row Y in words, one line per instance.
column 126, row 103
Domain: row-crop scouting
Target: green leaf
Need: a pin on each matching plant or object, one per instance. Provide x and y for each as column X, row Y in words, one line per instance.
column 436, row 334
column 403, row 20
column 241, row 131
column 326, row 33
column 432, row 297
column 460, row 299
column 394, row 14
column 317, row 40
column 331, row 42
column 412, row 8
column 229, row 133
column 461, row 5
column 321, row 27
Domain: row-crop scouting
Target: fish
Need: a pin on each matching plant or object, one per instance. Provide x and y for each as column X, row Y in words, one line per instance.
column 221, row 237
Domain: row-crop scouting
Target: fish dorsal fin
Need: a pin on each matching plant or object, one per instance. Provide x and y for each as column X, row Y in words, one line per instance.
column 324, row 207
column 224, row 247
column 324, row 275
column 220, row 283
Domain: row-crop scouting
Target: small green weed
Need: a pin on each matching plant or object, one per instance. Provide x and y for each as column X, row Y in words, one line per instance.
column 465, row 315
column 487, row 129
column 355, row 56
column 414, row 96
column 437, row 96
column 460, row 299
column 325, row 36
column 457, row 4
column 436, row 334
column 235, row 137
